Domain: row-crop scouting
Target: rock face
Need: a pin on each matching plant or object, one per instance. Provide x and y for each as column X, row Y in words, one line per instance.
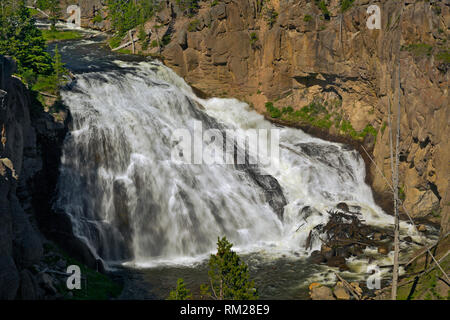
column 20, row 241
column 235, row 49
column 29, row 166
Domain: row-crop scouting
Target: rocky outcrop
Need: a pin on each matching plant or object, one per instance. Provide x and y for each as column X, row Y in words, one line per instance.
column 30, row 151
column 20, row 241
column 290, row 53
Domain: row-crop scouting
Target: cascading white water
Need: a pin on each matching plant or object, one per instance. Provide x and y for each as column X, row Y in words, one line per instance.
column 129, row 200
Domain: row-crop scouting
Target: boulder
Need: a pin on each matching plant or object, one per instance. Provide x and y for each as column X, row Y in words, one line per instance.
column 327, row 252
column 422, row 228
column 9, row 278
column 408, row 239
column 383, row 250
column 337, row 262
column 46, row 282
column 343, row 206
column 29, row 289
column 340, row 292
column 320, row 292
column 317, row 257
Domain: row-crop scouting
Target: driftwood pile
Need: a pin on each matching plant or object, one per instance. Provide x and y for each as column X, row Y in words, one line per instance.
column 343, row 236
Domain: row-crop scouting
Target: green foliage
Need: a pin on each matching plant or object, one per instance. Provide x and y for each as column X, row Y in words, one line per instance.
column 443, row 56
column 180, row 292
column 53, row 7
column 272, row 16
column 154, row 44
column 50, row 83
column 322, row 5
column 115, row 41
column 229, row 276
column 166, row 39
column 418, row 49
column 98, row 18
column 58, row 35
column 253, row 37
column 401, row 193
column 193, row 25
column 346, row 4
column 214, row 3
column 273, row 111
column 307, row 18
column 128, row 14
column 190, row 6
column 22, row 40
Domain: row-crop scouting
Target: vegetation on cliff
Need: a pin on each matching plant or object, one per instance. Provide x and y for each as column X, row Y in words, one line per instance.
column 229, row 278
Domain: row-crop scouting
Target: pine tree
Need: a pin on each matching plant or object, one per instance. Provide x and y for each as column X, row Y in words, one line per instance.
column 229, row 276
column 22, row 40
column 180, row 292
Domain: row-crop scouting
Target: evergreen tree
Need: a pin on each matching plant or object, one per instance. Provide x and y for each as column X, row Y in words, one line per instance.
column 229, row 276
column 180, row 292
column 22, row 40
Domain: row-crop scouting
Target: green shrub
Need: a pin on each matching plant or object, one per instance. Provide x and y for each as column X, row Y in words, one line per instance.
column 443, row 56
column 307, row 18
column 346, row 4
column 98, row 18
column 272, row 16
column 193, row 25
column 166, row 39
column 180, row 292
column 253, row 37
column 323, row 7
column 273, row 111
column 418, row 49
column 115, row 41
column 229, row 276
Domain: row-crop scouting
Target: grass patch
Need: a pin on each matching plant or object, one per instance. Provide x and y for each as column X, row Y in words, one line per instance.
column 307, row 18
column 443, row 56
column 193, row 25
column 253, row 38
column 115, row 41
column 418, row 49
column 425, row 287
column 346, row 4
column 316, row 114
column 59, row 35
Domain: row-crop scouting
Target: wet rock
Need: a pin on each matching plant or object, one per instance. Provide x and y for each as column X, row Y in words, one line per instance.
column 343, row 252
column 319, row 292
column 343, row 206
column 46, row 282
column 337, row 262
column 340, row 292
column 9, row 278
column 29, row 289
column 408, row 239
column 357, row 288
column 378, row 236
column 317, row 257
column 326, row 252
column 383, row 250
column 422, row 228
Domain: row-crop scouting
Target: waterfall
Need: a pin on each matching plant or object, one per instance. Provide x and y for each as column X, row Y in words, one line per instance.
column 128, row 200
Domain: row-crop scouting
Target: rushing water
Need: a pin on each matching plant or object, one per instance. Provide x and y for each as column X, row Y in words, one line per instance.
column 130, row 202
